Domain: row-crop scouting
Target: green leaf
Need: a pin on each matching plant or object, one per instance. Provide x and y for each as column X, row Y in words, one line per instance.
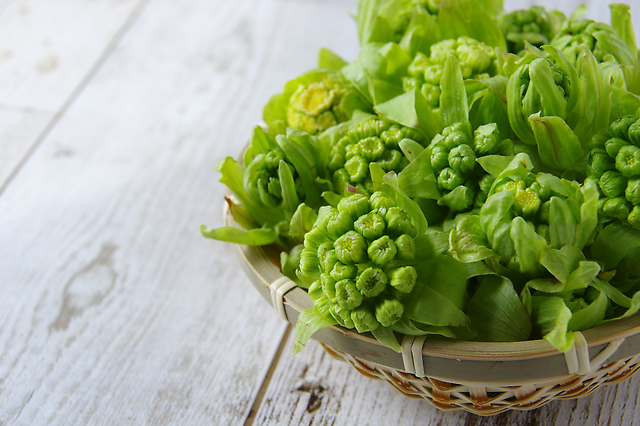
column 588, row 213
column 309, row 321
column 466, row 242
column 372, row 26
column 612, row 293
column 453, row 97
column 494, row 164
column 302, row 221
column 411, row 110
column 551, row 98
column 558, row 146
column 411, row 149
column 529, row 245
column 418, row 180
column 253, row 237
column 469, row 18
column 290, row 200
column 560, row 263
column 582, row 276
column 385, row 336
column 590, row 316
column 329, row 60
column 613, row 243
column 497, row 313
column 550, row 317
column 427, row 306
column 562, row 224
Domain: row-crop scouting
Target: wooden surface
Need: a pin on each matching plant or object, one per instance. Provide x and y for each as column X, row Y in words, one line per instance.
column 113, row 308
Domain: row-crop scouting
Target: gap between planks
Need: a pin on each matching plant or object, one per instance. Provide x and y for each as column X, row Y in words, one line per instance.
column 267, row 378
column 108, row 50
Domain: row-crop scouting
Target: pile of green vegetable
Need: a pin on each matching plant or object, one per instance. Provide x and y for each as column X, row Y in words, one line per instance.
column 471, row 175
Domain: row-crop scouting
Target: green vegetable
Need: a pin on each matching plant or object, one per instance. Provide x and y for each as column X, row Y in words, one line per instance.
column 380, row 259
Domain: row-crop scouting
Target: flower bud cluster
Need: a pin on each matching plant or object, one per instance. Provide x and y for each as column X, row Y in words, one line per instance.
column 316, row 107
column 535, row 25
column 372, row 141
column 614, row 162
column 359, row 255
column 263, row 182
column 477, row 61
column 453, row 159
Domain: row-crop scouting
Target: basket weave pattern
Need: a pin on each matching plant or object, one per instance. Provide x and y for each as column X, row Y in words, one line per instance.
column 489, row 400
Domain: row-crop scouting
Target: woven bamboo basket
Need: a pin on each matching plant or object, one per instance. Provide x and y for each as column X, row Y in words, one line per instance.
column 478, row 377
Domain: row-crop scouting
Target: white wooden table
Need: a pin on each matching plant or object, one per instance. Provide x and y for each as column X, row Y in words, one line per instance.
column 113, row 309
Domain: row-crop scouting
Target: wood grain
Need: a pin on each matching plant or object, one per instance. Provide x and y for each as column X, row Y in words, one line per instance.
column 48, row 50
column 115, row 310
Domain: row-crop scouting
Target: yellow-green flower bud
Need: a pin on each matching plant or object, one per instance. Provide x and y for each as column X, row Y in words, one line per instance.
column 613, row 146
column 620, row 127
column 527, row 203
column 628, row 161
column 351, row 248
column 309, row 263
column 462, row 159
column 382, row 250
column 617, row 207
column 390, row 160
column 634, row 217
column 341, row 271
column 389, row 312
column 439, row 156
column 449, row 179
column 339, row 224
column 371, row 148
column 406, row 247
column 328, row 286
column 634, row 133
column 348, row 295
column 371, row 127
column 632, row 191
column 381, row 202
column 356, row 205
column 315, row 290
column 357, row 168
column 342, row 316
column 598, row 162
column 364, row 320
column 612, row 184
column 371, row 225
column 399, row 222
column 327, row 256
column 403, row 278
column 372, row 282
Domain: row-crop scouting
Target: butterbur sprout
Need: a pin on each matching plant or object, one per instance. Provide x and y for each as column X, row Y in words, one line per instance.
column 389, row 311
column 348, row 295
column 372, row 281
column 382, row 250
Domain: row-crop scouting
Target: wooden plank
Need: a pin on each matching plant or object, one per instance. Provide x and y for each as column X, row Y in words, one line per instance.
column 114, row 309
column 47, row 51
column 47, row 48
column 19, row 130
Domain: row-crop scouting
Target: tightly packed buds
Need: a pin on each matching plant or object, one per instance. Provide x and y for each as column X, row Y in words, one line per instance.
column 615, row 164
column 477, row 61
column 535, row 25
column 316, row 107
column 453, row 159
column 359, row 256
column 372, row 141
